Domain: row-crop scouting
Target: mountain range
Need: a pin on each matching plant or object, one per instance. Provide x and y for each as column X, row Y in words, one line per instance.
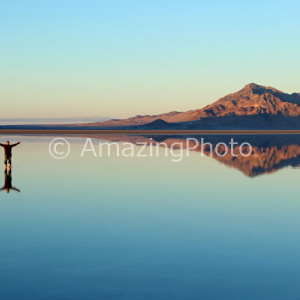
column 253, row 107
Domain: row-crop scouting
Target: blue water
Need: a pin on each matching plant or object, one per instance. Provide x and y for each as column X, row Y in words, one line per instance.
column 146, row 228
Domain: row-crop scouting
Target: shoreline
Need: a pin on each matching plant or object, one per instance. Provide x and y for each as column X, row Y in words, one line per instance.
column 145, row 132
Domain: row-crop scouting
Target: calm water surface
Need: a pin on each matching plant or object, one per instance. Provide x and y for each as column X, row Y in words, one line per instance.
column 149, row 228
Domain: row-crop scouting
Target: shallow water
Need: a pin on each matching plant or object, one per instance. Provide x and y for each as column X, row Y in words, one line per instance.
column 149, row 228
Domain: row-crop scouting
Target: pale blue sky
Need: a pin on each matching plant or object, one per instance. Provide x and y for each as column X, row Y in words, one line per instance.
column 121, row 58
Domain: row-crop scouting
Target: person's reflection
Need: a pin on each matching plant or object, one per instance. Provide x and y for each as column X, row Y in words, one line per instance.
column 8, row 182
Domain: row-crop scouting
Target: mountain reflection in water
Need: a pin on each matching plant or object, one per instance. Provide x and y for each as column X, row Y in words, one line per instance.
column 270, row 153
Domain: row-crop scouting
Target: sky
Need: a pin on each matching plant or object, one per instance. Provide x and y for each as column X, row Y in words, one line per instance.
column 119, row 58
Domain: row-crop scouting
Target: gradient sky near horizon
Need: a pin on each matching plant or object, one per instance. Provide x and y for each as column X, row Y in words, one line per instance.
column 122, row 58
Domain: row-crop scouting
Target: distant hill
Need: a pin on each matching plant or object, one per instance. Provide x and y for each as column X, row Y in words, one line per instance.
column 44, row 121
column 253, row 107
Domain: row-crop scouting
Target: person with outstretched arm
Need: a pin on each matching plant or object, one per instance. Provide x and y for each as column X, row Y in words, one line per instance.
column 7, row 153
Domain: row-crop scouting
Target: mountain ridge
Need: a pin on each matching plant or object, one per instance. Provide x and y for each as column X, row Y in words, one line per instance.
column 251, row 101
column 254, row 107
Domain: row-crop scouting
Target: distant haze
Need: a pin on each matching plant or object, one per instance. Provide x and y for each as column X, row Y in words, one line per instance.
column 73, row 120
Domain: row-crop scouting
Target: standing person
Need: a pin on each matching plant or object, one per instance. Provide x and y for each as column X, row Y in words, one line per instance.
column 7, row 153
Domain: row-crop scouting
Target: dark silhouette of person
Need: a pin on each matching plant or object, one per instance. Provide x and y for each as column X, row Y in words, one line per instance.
column 7, row 153
column 8, row 182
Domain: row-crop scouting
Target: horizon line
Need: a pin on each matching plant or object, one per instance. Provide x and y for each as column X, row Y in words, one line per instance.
column 146, row 132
